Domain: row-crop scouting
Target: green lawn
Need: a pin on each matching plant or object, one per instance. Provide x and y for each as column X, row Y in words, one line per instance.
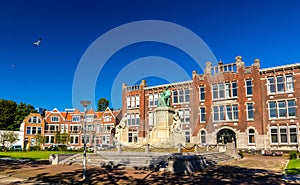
column 293, row 167
column 31, row 154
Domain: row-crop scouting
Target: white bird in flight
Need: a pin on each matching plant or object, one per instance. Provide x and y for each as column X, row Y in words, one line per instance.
column 37, row 43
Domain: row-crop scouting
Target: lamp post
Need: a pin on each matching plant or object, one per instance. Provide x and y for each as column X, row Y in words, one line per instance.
column 84, row 103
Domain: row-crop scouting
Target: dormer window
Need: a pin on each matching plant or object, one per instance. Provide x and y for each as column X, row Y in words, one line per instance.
column 34, row 119
column 90, row 118
column 76, row 118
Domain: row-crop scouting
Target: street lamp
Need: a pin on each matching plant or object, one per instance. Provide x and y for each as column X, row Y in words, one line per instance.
column 84, row 103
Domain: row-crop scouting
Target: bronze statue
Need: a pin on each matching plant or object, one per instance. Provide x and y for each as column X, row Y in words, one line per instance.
column 164, row 99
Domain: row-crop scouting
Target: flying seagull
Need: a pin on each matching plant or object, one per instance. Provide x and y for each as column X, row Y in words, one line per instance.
column 37, row 43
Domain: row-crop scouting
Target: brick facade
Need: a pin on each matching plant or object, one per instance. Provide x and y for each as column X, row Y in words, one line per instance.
column 237, row 102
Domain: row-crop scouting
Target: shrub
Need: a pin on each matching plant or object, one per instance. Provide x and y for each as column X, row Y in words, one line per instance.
column 293, row 154
column 34, row 148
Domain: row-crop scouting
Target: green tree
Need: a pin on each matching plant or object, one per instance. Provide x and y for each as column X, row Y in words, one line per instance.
column 7, row 114
column 8, row 138
column 13, row 114
column 40, row 139
column 22, row 111
column 102, row 104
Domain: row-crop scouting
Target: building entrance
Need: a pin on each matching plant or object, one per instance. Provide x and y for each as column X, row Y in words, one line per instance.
column 226, row 136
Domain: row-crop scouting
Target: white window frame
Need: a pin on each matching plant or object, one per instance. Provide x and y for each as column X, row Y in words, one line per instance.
column 54, row 118
column 137, row 99
column 248, row 111
column 251, row 135
column 75, row 118
column 128, row 101
column 201, row 93
column 202, row 114
column 247, row 86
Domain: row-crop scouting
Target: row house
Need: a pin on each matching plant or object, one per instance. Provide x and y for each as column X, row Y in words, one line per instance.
column 254, row 108
column 66, row 127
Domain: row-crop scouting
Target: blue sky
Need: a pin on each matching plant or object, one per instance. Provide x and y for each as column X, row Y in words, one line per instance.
column 43, row 76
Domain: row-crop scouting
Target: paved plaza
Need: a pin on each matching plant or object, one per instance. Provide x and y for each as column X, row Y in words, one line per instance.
column 254, row 169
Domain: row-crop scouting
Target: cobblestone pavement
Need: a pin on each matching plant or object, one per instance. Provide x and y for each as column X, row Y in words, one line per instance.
column 254, row 169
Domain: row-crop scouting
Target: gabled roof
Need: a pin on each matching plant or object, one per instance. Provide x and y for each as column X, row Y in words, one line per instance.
column 108, row 111
column 54, row 111
column 91, row 111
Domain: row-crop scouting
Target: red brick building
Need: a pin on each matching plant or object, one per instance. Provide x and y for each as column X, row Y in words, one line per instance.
column 66, row 127
column 255, row 108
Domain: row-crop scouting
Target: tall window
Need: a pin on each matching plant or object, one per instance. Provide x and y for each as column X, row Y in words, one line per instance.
column 251, row 136
column 281, row 109
column 227, row 90
column 291, row 108
column 156, row 99
column 280, row 83
column 283, row 135
column 289, row 83
column 132, row 119
column 202, row 114
column 175, row 96
column 181, row 96
column 250, row 111
column 128, row 101
column 128, row 120
column 248, row 87
column 234, row 89
column 203, row 137
column 186, row 95
column 137, row 99
column 132, row 101
column 222, row 113
column 271, row 85
column 137, row 118
column 221, row 91
column 235, row 112
column 228, row 113
column 293, row 135
column 274, row 135
column 151, row 100
column 202, row 93
column 215, row 91
column 187, row 136
column 216, row 113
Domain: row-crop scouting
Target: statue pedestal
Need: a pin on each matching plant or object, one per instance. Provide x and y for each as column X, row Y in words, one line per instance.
column 161, row 135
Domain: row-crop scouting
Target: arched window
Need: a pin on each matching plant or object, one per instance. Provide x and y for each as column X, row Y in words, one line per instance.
column 203, row 137
column 251, row 136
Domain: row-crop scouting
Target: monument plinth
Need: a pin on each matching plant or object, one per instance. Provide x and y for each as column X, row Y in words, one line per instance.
column 161, row 135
